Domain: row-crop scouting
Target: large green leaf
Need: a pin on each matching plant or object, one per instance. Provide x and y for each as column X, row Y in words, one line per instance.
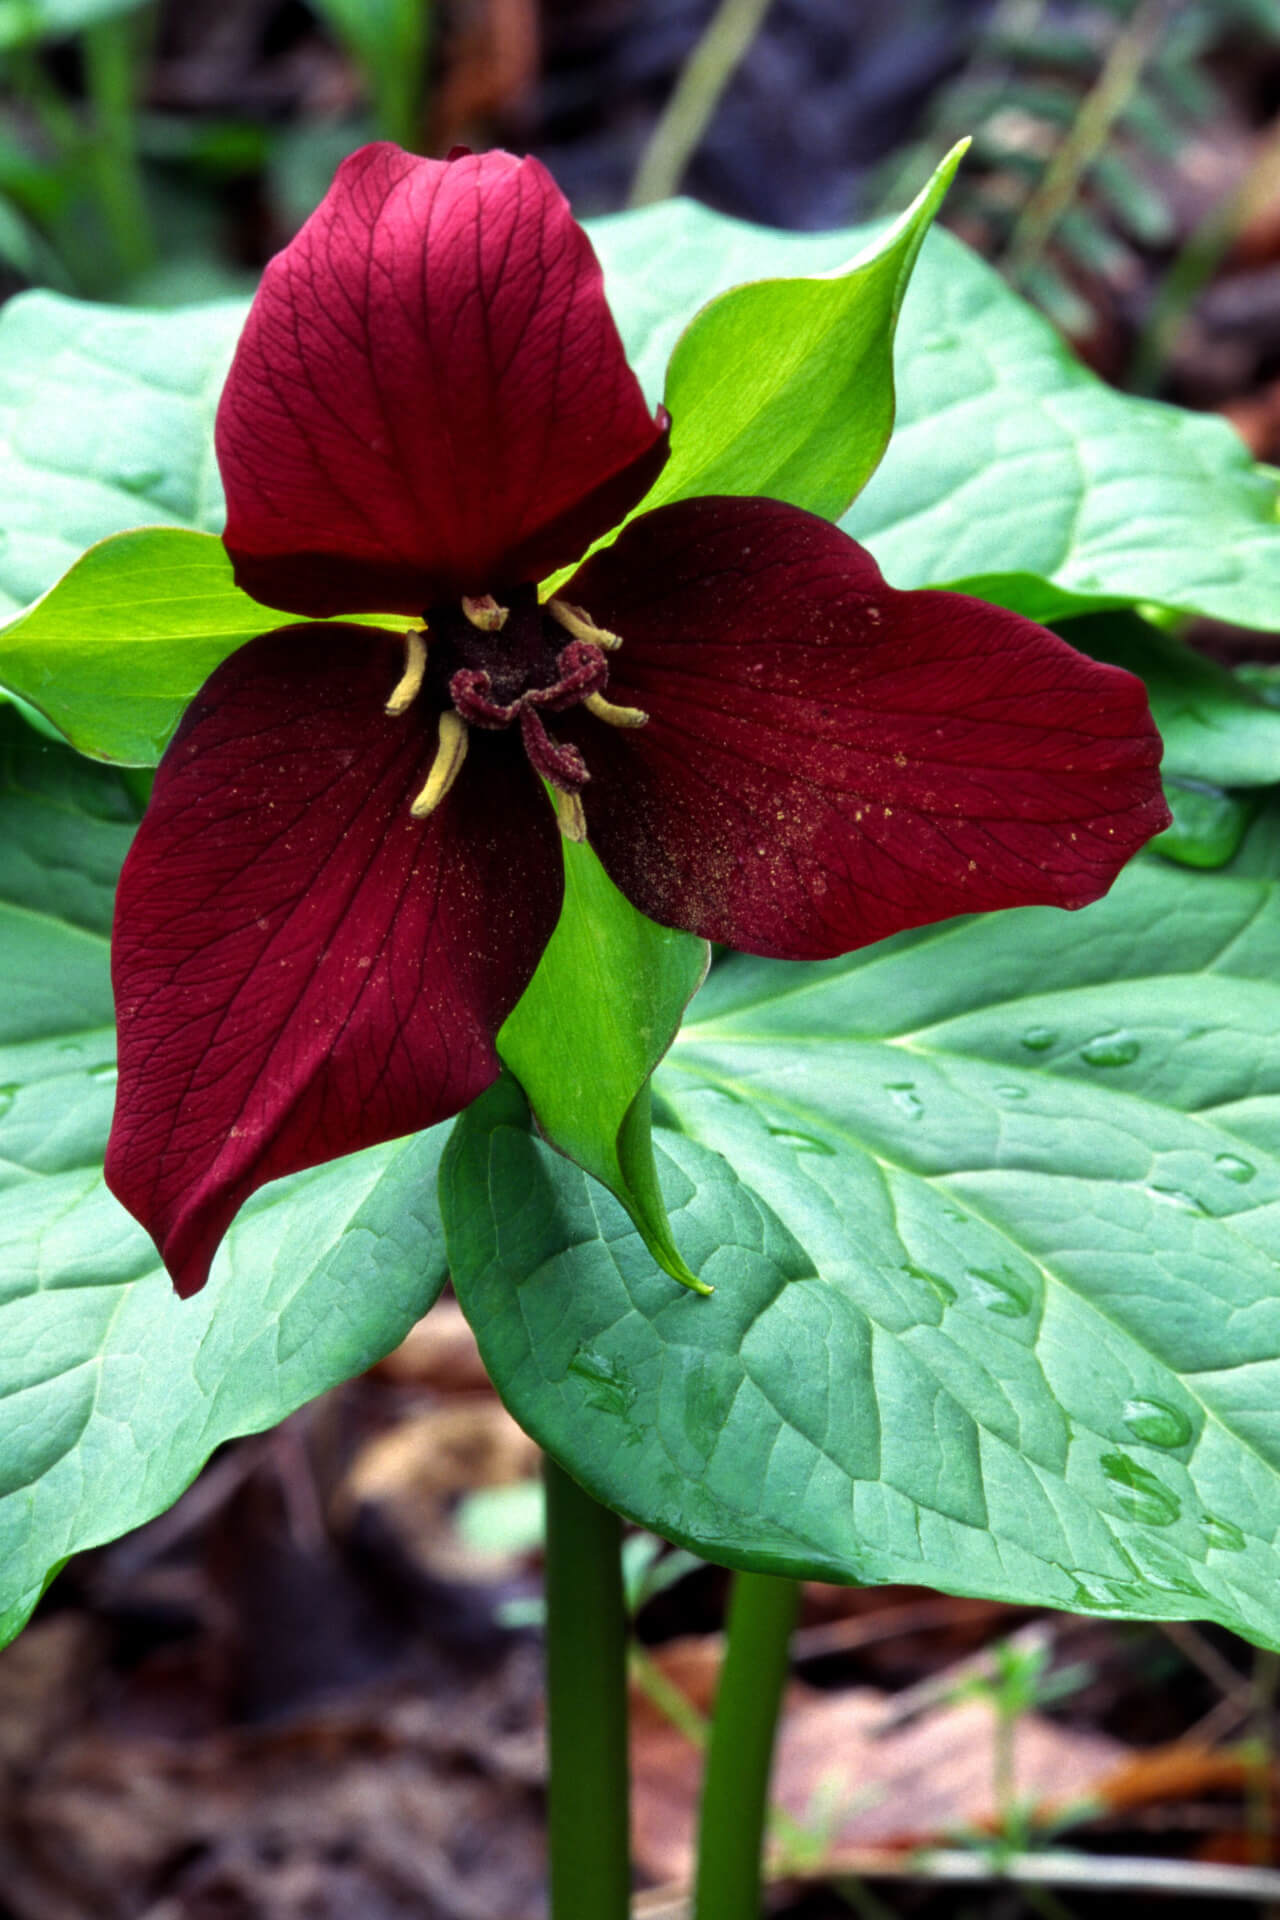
column 106, row 422
column 1012, row 469
column 785, row 386
column 112, row 1391
column 993, row 1215
column 113, row 653
column 1215, row 727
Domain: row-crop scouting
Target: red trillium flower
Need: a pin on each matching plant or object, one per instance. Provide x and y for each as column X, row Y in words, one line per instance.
column 351, row 863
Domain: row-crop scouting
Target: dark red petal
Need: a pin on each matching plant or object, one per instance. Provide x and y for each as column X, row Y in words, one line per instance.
column 827, row 760
column 430, row 397
column 300, row 968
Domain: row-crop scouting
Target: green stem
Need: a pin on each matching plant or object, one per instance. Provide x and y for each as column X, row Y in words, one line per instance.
column 586, row 1705
column 1099, row 110
column 111, row 80
column 736, row 1786
column 695, row 97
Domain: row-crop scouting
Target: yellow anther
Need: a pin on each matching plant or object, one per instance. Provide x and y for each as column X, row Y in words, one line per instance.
column 570, row 818
column 580, row 624
column 615, row 716
column 409, row 685
column 445, row 768
column 484, row 612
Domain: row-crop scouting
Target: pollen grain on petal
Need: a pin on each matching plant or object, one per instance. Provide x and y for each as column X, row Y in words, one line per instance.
column 578, row 622
column 409, row 685
column 445, row 768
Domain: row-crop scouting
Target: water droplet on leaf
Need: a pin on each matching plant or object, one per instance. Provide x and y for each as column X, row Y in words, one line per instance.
column 1175, row 1197
column 1012, row 1093
column 8, row 1094
column 1111, row 1050
column 612, row 1384
column 1002, row 1292
column 1224, row 1534
column 1232, row 1167
column 138, row 476
column 1038, row 1039
column 1156, row 1423
column 1138, row 1493
column 943, row 1288
column 108, row 1073
column 904, row 1096
column 802, row 1142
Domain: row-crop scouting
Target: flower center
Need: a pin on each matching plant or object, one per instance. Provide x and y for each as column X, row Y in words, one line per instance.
column 495, row 666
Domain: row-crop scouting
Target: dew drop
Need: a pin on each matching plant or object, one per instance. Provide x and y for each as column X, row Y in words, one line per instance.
column 943, row 1288
column 612, row 1384
column 137, row 476
column 802, row 1142
column 1175, row 1197
column 1095, row 1590
column 1111, row 1050
column 1156, row 1423
column 70, row 1046
column 904, row 1096
column 1160, row 1565
column 1232, row 1167
column 8, row 1094
column 1012, row 1093
column 1001, row 1292
column 1039, row 1039
column 1138, row 1493
column 1223, row 1534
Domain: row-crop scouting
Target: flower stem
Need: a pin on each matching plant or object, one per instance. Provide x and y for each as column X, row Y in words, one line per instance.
column 735, row 1790
column 586, row 1705
column 695, row 97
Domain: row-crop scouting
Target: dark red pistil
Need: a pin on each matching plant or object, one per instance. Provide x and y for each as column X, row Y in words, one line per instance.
column 528, row 667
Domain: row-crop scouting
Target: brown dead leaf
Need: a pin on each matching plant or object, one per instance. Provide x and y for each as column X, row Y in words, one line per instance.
column 412, row 1475
column 842, row 1778
column 439, row 1352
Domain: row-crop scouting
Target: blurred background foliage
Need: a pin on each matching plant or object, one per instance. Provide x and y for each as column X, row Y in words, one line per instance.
column 1125, row 174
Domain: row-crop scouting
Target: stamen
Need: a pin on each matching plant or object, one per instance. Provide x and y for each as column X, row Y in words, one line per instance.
column 614, row 716
column 483, row 611
column 409, row 685
column 570, row 817
column 445, row 768
column 580, row 624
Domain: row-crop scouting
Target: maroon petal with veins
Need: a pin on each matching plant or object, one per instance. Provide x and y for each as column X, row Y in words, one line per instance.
column 827, row 760
column 430, row 397
column 300, row 968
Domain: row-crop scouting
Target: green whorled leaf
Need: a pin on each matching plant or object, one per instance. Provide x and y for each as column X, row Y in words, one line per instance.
column 112, row 1391
column 785, row 387
column 1013, row 471
column 106, row 422
column 596, row 1018
column 112, row 654
column 992, row 1211
column 1215, row 727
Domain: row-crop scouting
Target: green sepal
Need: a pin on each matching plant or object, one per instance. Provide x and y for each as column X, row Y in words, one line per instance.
column 598, row 1015
column 114, row 652
column 808, row 421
